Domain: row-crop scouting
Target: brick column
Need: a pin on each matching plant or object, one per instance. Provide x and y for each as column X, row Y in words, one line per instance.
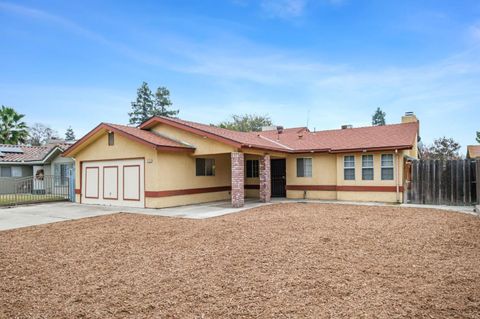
column 265, row 183
column 238, row 179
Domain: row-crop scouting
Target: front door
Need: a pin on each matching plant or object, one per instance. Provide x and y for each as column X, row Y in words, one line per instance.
column 278, row 173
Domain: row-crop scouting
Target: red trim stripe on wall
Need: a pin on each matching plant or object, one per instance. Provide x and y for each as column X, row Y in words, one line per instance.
column 190, row 191
column 178, row 192
column 344, row 188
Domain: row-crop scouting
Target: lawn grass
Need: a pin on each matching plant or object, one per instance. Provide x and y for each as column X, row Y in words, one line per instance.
column 276, row 261
column 11, row 199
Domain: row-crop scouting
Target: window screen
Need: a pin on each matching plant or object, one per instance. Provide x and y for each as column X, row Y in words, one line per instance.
column 205, row 167
column 349, row 168
column 16, row 171
column 252, row 168
column 6, row 171
column 304, row 167
column 387, row 166
column 367, row 167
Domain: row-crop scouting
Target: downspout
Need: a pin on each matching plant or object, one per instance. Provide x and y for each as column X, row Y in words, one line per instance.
column 397, row 176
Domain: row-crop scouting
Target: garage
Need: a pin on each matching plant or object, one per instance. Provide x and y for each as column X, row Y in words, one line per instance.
column 113, row 182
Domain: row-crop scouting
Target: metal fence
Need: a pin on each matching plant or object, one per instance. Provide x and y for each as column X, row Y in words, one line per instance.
column 24, row 190
column 442, row 182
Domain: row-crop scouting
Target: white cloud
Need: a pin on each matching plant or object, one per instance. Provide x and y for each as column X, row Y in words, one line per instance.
column 254, row 77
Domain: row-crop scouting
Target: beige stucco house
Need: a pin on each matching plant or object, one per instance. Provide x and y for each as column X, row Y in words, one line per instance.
column 169, row 162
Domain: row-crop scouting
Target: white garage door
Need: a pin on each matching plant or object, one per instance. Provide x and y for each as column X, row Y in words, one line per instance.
column 116, row 182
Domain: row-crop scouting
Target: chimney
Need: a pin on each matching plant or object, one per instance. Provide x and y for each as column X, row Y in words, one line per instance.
column 268, row 128
column 409, row 117
column 279, row 129
column 55, row 141
column 347, row 126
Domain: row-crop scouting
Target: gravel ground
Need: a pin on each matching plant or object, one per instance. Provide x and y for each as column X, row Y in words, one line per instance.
column 278, row 261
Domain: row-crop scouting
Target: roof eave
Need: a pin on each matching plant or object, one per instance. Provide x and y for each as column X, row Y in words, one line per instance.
column 372, row 149
column 175, row 149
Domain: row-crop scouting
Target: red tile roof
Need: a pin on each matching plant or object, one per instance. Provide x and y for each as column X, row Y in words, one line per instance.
column 341, row 140
column 396, row 136
column 28, row 153
column 237, row 138
column 147, row 137
column 473, row 151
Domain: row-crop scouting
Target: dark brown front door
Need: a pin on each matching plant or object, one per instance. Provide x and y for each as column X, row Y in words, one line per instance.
column 278, row 176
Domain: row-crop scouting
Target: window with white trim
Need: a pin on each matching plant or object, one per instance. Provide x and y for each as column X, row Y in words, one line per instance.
column 304, row 167
column 387, row 167
column 349, row 168
column 205, row 166
column 367, row 167
column 252, row 168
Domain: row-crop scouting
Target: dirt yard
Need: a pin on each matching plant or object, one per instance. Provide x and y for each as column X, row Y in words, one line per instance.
column 279, row 261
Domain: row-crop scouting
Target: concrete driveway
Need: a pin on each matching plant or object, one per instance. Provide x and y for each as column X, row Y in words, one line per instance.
column 29, row 215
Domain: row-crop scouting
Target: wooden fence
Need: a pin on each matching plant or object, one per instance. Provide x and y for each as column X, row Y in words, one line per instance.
column 442, row 182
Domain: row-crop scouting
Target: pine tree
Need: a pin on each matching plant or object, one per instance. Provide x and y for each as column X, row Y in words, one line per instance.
column 143, row 106
column 69, row 134
column 478, row 137
column 378, row 117
column 163, row 102
column 443, row 148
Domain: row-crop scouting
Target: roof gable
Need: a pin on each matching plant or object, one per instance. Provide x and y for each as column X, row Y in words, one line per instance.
column 133, row 133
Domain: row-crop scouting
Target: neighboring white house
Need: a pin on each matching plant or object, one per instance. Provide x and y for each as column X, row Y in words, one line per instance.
column 17, row 161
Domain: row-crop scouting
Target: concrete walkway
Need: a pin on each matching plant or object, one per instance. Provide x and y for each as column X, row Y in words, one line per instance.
column 38, row 214
column 29, row 215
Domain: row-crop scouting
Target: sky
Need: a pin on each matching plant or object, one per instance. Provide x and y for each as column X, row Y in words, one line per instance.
column 321, row 63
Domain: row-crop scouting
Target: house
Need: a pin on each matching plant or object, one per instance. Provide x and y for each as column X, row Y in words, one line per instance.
column 17, row 161
column 169, row 162
column 473, row 151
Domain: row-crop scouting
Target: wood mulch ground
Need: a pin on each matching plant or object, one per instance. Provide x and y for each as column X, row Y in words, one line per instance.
column 278, row 261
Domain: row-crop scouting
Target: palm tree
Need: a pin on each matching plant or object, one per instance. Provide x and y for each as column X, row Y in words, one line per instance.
column 12, row 129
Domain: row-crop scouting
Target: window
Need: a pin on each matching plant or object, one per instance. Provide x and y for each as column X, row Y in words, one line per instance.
column 349, row 168
column 16, row 171
column 61, row 174
column 387, row 166
column 252, row 168
column 205, row 167
column 304, row 167
column 367, row 167
column 6, row 171
column 111, row 138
